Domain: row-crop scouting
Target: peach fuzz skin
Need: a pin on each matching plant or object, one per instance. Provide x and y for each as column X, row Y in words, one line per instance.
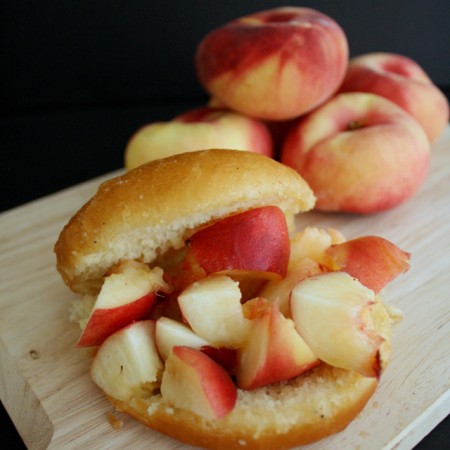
column 285, row 62
column 373, row 260
column 197, row 129
column 360, row 153
column 276, row 351
column 401, row 80
column 257, row 239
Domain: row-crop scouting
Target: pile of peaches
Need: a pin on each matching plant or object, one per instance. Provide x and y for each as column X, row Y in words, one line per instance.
column 281, row 83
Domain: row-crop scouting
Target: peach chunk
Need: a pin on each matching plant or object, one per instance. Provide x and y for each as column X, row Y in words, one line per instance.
column 373, row 260
column 273, row 351
column 170, row 333
column 192, row 381
column 343, row 322
column 212, row 307
column 306, row 259
column 252, row 240
column 126, row 295
column 128, row 362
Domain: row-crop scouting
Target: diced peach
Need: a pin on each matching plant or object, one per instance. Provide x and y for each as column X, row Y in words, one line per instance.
column 128, row 363
column 170, row 333
column 212, row 308
column 128, row 294
column 343, row 322
column 257, row 239
column 373, row 260
column 273, row 351
column 306, row 259
column 194, row 382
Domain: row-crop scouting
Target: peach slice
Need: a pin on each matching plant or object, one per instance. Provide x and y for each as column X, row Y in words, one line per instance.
column 306, row 259
column 373, row 260
column 192, row 381
column 312, row 243
column 170, row 333
column 128, row 362
column 257, row 239
column 273, row 351
column 279, row 291
column 343, row 322
column 127, row 295
column 212, row 308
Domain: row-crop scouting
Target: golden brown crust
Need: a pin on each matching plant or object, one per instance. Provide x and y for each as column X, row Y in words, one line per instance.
column 280, row 416
column 144, row 212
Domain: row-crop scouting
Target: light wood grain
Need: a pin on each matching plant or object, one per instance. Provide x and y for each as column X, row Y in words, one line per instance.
column 44, row 380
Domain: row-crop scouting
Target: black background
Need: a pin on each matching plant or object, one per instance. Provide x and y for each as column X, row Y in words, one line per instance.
column 79, row 77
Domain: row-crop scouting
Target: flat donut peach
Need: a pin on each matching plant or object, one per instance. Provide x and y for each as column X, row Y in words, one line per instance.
column 359, row 152
column 401, row 80
column 275, row 64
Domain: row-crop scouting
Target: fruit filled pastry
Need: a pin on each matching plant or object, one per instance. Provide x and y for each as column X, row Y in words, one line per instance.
column 215, row 321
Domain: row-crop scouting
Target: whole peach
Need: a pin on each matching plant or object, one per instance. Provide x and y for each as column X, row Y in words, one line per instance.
column 359, row 153
column 401, row 80
column 198, row 129
column 275, row 64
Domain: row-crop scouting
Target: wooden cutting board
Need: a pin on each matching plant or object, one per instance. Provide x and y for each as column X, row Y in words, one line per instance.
column 44, row 380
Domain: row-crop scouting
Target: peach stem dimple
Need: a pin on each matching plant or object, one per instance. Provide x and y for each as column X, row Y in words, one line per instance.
column 355, row 124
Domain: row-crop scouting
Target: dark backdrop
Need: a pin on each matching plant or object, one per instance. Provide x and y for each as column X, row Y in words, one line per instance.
column 79, row 77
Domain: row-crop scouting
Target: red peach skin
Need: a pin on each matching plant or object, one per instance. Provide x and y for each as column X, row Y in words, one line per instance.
column 373, row 260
